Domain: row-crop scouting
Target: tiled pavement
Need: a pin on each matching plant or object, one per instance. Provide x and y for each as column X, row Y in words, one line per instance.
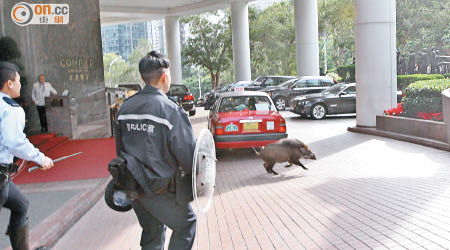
column 46, row 202
column 363, row 192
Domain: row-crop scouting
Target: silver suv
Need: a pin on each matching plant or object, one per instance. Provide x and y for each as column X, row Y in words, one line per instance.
column 285, row 92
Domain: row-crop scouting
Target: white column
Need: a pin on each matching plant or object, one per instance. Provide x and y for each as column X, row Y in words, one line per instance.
column 241, row 41
column 307, row 37
column 2, row 22
column 173, row 48
column 375, row 47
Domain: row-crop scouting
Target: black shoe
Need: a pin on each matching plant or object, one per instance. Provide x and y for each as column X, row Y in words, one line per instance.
column 19, row 237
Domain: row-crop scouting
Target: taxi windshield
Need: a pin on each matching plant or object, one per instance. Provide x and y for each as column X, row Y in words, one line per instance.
column 246, row 103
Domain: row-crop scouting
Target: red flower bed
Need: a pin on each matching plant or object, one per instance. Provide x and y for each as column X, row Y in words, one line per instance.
column 430, row 116
column 398, row 111
column 395, row 111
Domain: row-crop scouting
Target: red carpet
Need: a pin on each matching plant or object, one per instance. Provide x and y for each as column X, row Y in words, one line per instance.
column 92, row 163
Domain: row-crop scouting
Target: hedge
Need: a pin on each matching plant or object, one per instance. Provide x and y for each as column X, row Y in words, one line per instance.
column 8, row 49
column 404, row 80
column 424, row 96
column 447, row 75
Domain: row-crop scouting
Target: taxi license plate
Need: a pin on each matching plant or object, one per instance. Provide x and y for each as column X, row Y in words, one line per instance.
column 250, row 127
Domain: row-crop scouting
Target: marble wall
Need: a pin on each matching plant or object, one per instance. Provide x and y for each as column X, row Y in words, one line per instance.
column 70, row 55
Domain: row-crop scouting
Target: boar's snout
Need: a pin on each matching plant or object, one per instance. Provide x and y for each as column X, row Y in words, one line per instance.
column 307, row 154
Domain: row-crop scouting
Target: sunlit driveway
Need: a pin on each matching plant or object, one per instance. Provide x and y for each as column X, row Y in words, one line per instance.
column 362, row 192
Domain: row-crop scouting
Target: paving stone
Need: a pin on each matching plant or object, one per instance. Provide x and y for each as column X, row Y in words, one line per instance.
column 362, row 192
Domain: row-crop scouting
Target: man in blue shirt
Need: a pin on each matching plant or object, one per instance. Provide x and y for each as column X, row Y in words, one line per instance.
column 13, row 142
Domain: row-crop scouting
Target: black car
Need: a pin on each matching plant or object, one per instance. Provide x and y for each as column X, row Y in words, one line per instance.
column 180, row 94
column 243, row 86
column 339, row 99
column 211, row 97
column 270, row 82
column 201, row 101
column 285, row 92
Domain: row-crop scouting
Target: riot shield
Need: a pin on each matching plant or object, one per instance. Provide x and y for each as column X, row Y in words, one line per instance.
column 204, row 170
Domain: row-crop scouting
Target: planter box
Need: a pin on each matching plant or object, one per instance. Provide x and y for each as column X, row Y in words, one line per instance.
column 414, row 127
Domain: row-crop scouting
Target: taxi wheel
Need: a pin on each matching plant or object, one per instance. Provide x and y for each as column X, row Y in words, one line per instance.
column 280, row 103
column 318, row 111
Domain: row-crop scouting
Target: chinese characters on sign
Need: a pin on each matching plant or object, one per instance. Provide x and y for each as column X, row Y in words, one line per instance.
column 59, row 19
column 78, row 69
column 43, row 20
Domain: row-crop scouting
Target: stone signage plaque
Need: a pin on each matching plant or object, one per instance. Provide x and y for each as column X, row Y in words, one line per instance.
column 70, row 56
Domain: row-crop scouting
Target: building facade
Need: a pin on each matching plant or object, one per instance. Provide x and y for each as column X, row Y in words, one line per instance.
column 122, row 39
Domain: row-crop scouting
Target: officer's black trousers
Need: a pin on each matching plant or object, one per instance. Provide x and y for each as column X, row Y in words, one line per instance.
column 42, row 118
column 14, row 200
column 155, row 213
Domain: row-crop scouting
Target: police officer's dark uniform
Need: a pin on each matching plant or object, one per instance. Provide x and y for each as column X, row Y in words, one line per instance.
column 155, row 136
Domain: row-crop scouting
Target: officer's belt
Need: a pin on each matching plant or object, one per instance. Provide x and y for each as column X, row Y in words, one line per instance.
column 8, row 168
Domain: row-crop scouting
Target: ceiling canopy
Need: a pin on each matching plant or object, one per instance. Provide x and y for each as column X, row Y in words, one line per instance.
column 124, row 11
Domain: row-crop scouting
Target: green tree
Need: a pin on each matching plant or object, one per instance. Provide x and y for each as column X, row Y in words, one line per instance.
column 9, row 51
column 336, row 22
column 208, row 44
column 142, row 49
column 273, row 53
column 119, row 71
column 115, row 69
column 422, row 24
column 191, row 81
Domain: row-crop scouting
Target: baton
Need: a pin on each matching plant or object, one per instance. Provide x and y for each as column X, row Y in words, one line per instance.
column 56, row 160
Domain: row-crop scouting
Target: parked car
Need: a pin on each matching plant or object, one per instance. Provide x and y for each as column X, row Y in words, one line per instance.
column 284, row 93
column 211, row 97
column 243, row 85
column 339, row 99
column 201, row 101
column 244, row 119
column 180, row 94
column 270, row 82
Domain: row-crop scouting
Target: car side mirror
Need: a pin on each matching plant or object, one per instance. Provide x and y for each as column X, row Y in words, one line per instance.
column 342, row 94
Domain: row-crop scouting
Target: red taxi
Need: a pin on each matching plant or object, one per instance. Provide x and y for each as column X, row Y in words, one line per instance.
column 245, row 119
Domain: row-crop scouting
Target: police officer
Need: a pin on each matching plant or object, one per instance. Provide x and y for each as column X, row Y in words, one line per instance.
column 157, row 141
column 13, row 142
